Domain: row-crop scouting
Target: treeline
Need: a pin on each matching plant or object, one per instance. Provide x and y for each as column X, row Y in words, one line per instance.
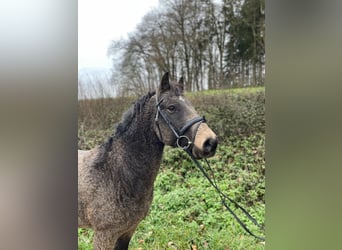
column 212, row 44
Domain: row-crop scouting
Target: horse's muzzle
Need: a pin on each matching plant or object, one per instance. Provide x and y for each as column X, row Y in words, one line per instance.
column 205, row 143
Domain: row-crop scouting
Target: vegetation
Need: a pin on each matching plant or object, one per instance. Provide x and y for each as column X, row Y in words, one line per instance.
column 186, row 212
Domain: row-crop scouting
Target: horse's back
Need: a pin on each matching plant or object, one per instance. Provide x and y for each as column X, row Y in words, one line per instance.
column 86, row 157
column 86, row 162
column 85, row 184
column 82, row 154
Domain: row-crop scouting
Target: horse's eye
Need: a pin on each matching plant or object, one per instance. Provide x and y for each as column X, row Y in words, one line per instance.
column 171, row 108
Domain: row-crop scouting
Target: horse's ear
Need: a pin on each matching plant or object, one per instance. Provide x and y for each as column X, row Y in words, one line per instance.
column 181, row 83
column 165, row 84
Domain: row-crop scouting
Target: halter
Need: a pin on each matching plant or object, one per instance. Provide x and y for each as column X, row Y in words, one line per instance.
column 182, row 140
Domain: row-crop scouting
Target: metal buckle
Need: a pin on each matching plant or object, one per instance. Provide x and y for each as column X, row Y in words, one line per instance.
column 187, row 142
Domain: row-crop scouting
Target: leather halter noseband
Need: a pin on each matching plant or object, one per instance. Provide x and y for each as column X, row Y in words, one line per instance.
column 182, row 140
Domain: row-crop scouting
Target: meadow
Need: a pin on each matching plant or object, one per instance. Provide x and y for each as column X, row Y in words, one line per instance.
column 186, row 212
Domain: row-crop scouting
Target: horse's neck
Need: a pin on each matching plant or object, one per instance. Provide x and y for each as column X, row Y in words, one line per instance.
column 137, row 155
column 142, row 149
column 141, row 142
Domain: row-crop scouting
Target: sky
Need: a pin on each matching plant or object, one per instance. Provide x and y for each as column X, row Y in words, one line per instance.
column 100, row 22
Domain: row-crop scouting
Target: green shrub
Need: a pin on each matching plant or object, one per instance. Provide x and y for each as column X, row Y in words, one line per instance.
column 87, row 139
column 102, row 113
column 231, row 114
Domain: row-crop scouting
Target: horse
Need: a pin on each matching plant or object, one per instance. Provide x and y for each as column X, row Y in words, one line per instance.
column 115, row 179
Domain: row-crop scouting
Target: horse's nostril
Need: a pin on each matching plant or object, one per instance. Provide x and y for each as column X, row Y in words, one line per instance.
column 210, row 145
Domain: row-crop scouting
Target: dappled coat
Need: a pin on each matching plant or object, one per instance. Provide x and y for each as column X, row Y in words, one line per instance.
column 115, row 179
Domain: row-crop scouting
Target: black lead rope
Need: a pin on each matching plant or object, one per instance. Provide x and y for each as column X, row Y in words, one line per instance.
column 224, row 197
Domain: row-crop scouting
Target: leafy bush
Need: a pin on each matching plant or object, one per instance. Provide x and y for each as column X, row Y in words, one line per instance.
column 231, row 114
column 87, row 139
column 102, row 113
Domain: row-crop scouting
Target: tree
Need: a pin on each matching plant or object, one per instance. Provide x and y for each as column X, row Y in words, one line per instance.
column 246, row 47
column 212, row 45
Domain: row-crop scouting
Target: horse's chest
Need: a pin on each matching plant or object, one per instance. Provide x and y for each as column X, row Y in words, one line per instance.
column 120, row 215
column 132, row 213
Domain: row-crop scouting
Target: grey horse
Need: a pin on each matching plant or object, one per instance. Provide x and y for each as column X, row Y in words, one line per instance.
column 115, row 179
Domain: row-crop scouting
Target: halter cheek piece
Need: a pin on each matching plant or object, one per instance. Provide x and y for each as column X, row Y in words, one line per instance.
column 182, row 140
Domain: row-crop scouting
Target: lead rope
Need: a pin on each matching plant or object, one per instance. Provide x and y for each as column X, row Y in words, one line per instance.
column 224, row 197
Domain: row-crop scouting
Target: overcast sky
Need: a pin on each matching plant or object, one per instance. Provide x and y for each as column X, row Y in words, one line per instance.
column 100, row 22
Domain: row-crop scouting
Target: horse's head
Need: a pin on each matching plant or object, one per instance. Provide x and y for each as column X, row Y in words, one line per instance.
column 178, row 123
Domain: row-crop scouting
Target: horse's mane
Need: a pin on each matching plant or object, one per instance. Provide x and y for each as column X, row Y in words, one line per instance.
column 129, row 115
column 121, row 127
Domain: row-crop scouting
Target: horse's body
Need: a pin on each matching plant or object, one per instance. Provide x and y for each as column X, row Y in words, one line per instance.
column 115, row 179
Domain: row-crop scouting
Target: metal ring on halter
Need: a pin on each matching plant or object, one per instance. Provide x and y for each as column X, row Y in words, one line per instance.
column 188, row 144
